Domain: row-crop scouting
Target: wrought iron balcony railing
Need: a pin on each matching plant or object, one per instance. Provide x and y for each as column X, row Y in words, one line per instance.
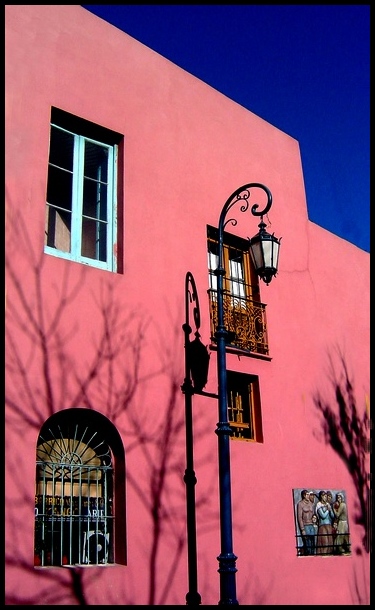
column 245, row 321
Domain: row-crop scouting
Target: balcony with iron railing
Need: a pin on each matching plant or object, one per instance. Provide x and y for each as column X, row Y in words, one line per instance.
column 245, row 321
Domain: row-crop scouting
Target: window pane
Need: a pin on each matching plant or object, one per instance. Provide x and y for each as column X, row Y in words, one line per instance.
column 96, row 162
column 61, row 148
column 94, row 234
column 94, row 239
column 236, row 269
column 237, row 277
column 58, row 229
column 95, row 199
column 212, row 266
column 59, row 188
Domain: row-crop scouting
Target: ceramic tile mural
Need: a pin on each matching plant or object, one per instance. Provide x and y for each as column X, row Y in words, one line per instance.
column 322, row 523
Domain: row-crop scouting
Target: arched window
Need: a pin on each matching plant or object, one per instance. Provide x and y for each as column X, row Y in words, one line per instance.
column 80, row 491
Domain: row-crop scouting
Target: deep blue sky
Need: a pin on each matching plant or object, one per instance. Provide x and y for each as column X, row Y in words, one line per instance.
column 303, row 68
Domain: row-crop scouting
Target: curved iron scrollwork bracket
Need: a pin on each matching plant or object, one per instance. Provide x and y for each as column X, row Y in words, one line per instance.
column 242, row 194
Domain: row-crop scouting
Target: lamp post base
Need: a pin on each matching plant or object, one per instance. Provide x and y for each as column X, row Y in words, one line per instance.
column 227, row 570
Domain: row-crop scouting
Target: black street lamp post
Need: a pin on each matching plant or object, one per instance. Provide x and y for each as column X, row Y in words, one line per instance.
column 264, row 250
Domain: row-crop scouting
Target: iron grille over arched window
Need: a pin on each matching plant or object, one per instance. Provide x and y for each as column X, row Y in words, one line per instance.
column 74, row 512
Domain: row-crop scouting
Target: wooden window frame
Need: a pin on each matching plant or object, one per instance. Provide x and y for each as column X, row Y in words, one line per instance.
column 244, row 407
column 244, row 314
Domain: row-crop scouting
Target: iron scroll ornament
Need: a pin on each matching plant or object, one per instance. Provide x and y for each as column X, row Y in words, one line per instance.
column 243, row 194
column 263, row 247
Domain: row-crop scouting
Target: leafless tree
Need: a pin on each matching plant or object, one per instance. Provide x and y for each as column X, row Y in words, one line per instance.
column 346, row 429
column 42, row 338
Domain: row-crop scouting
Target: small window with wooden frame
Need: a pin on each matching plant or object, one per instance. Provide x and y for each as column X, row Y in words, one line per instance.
column 244, row 412
column 244, row 314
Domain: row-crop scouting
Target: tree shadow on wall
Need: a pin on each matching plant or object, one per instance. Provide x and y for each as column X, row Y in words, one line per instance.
column 346, row 429
column 40, row 358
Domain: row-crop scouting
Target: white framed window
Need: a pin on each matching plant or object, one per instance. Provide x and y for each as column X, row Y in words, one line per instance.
column 81, row 202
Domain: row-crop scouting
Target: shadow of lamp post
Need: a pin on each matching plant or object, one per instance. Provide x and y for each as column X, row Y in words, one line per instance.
column 196, row 371
column 264, row 251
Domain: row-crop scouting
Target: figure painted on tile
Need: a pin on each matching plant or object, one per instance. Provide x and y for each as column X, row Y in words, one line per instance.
column 305, row 511
column 314, row 520
column 341, row 541
column 333, row 521
column 325, row 516
column 313, row 498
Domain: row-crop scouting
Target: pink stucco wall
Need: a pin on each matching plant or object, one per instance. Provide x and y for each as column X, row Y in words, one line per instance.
column 187, row 148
